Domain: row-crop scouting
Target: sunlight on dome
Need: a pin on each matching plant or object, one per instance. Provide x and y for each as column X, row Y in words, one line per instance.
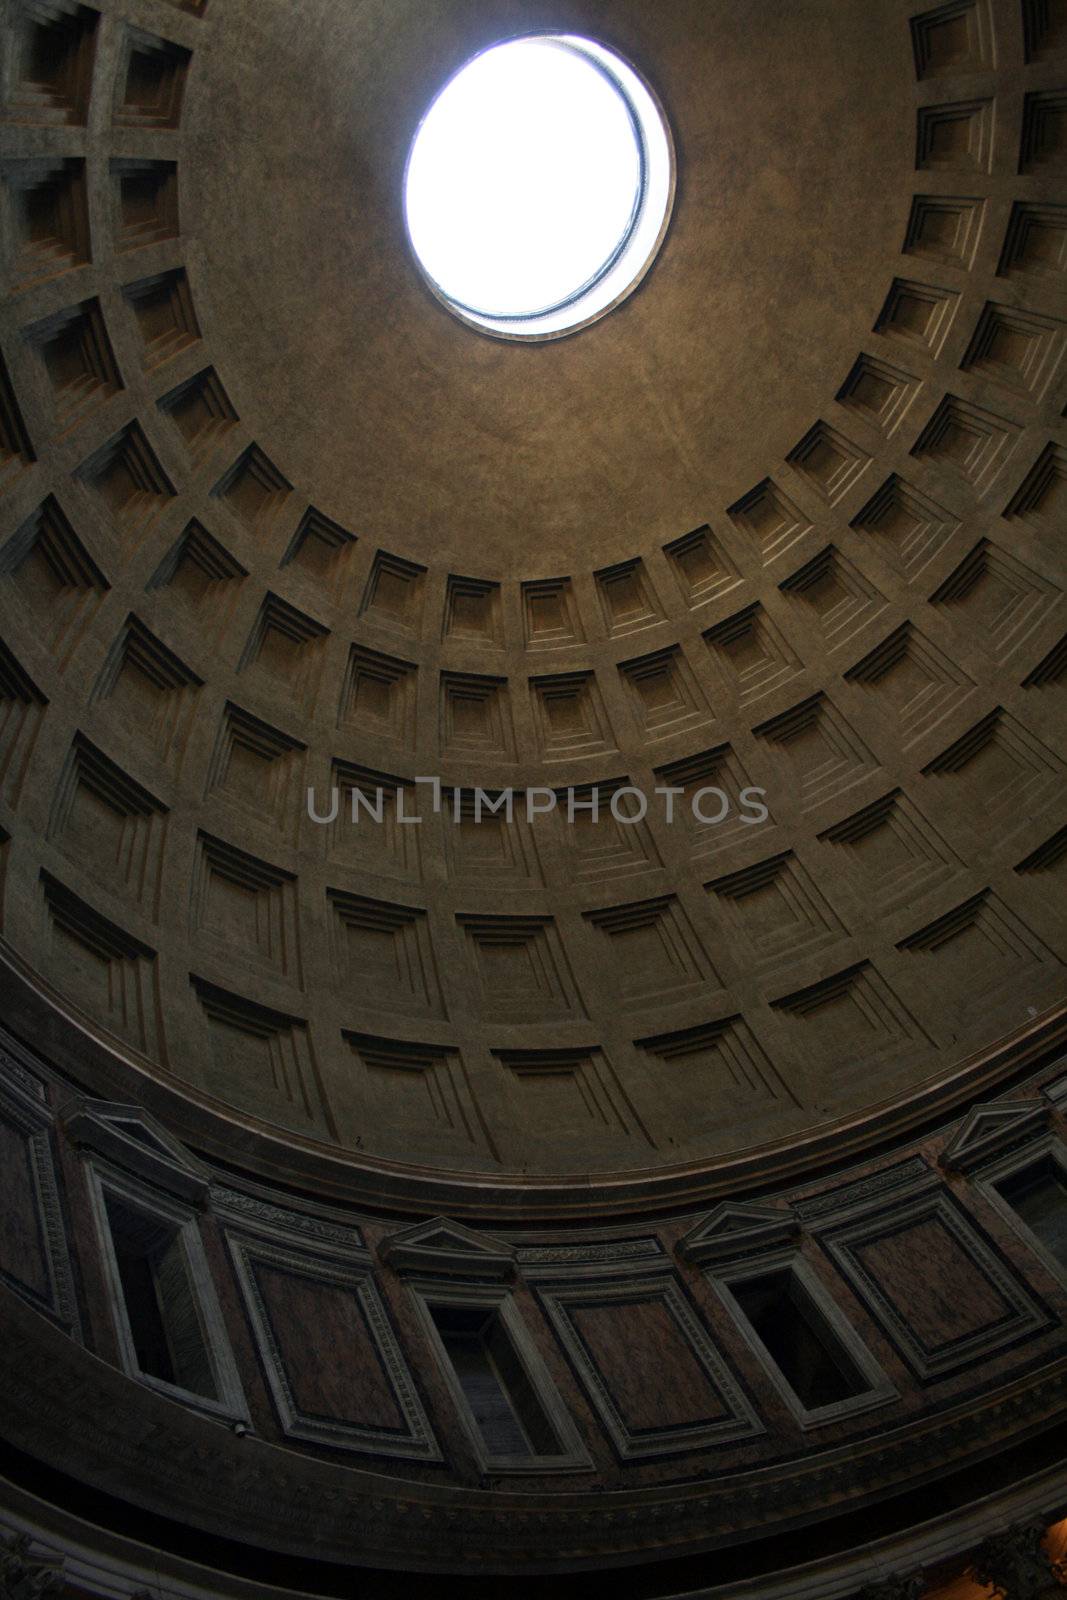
column 528, row 185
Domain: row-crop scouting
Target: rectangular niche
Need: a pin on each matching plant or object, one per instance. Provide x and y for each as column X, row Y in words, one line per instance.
column 145, row 201
column 944, row 228
column 520, row 969
column 395, row 594
column 828, row 461
column 1050, row 856
column 974, row 956
column 601, row 832
column 163, row 311
column 473, row 612
column 826, row 757
column 835, row 596
column 968, row 440
column 77, row 360
column 171, row 1332
column 958, row 135
column 104, row 969
column 52, row 46
column 378, row 696
column 48, row 217
column 16, row 452
column 848, row 1022
column 500, row 1385
column 664, row 694
column 384, row 955
column 259, row 769
column 1044, row 29
column 702, row 567
column 111, row 826
column 126, row 479
column 150, row 84
column 1043, row 147
column 952, row 39
column 475, row 716
column 1035, row 244
column 915, row 684
column 897, row 854
column 490, row 846
column 21, row 710
column 261, row 1057
column 253, row 490
column 285, row 652
column 321, row 550
column 1008, row 776
column 893, row 1257
column 420, row 1100
column 146, row 683
column 906, row 526
column 776, row 913
column 770, row 519
column 1004, row 600
column 879, row 391
column 751, row 655
column 368, row 830
column 653, row 955
column 811, row 1353
column 550, row 615
column 246, row 907
column 158, row 1300
column 1018, row 349
column 627, row 600
column 718, row 768
column 1042, row 497
column 570, row 718
column 715, row 1073
column 1030, row 1188
column 55, row 577
column 203, row 578
column 570, row 1102
column 919, row 314
column 363, row 1399
column 201, row 413
column 649, row 1367
column 1051, row 668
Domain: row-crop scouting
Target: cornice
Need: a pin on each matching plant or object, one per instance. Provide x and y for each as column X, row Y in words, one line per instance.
column 103, row 1066
column 71, row 1411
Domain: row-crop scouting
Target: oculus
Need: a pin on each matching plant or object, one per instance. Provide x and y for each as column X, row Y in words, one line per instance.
column 539, row 186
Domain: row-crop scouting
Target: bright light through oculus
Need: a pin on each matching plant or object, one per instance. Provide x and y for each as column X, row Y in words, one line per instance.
column 538, row 185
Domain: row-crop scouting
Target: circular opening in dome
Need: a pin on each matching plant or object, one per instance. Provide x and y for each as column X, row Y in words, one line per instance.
column 539, row 186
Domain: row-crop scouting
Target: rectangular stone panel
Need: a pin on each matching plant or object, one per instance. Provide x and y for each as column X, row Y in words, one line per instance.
column 648, row 1365
column 942, row 1293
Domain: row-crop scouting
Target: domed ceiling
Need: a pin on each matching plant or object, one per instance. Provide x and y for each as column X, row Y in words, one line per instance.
column 789, row 519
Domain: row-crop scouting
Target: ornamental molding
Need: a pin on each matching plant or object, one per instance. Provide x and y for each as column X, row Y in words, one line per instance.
column 26, row 1574
column 279, row 1222
column 991, row 1130
column 72, row 1413
column 852, row 1198
column 135, row 1141
column 1014, row 1563
column 737, row 1229
column 441, row 1246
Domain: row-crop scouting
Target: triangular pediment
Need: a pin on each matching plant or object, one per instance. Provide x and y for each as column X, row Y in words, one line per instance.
column 133, row 1139
column 988, row 1130
column 440, row 1245
column 734, row 1228
column 443, row 1239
